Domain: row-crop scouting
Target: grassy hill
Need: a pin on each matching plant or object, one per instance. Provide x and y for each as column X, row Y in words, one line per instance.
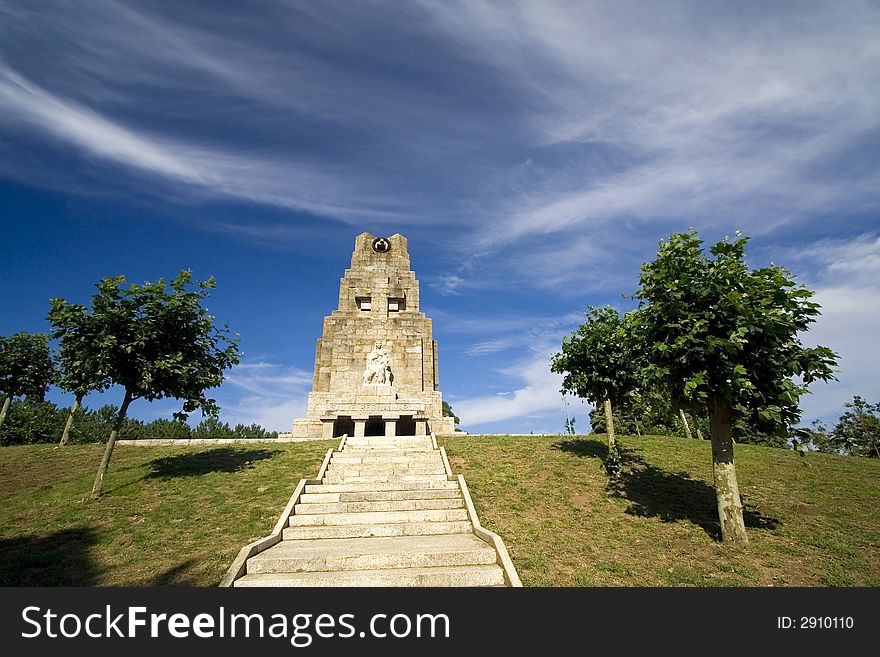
column 812, row 520
column 179, row 515
column 169, row 515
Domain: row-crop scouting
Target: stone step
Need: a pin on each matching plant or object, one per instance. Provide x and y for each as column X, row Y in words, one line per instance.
column 389, row 443
column 365, row 517
column 427, row 448
column 373, row 451
column 388, row 453
column 379, row 529
column 343, row 459
column 343, row 554
column 432, row 483
column 441, row 576
column 380, row 505
column 378, row 496
column 381, row 478
column 368, row 470
column 428, row 458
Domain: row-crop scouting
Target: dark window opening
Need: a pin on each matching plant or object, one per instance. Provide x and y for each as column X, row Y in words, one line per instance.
column 343, row 425
column 406, row 426
column 375, row 426
column 364, row 303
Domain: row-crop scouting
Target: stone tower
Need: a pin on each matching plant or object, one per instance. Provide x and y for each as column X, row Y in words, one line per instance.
column 376, row 361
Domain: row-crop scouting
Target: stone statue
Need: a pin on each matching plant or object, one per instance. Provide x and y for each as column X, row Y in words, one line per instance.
column 378, row 371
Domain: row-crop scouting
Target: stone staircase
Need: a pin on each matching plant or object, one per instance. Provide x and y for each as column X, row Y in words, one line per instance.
column 385, row 511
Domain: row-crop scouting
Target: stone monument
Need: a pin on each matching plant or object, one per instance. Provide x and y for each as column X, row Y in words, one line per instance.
column 376, row 361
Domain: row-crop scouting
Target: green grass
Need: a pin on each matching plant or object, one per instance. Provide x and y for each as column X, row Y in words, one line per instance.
column 812, row 521
column 179, row 515
column 169, row 516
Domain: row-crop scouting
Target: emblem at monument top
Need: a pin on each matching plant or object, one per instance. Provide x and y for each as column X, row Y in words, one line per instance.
column 376, row 359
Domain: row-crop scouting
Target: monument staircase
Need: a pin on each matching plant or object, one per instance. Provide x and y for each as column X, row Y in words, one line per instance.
column 384, row 511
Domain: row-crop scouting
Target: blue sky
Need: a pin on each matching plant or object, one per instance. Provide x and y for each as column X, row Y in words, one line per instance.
column 533, row 153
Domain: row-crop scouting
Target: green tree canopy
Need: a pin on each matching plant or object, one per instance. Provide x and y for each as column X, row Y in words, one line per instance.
column 598, row 362
column 857, row 432
column 82, row 357
column 719, row 335
column 154, row 340
column 448, row 412
column 27, row 368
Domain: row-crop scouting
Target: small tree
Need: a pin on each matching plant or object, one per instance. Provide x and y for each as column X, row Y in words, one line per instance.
column 857, row 432
column 26, row 368
column 448, row 412
column 597, row 364
column 156, row 342
column 722, row 336
column 82, row 356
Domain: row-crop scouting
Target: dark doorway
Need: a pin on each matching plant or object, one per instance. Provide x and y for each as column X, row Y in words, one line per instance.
column 375, row 426
column 343, row 425
column 406, row 426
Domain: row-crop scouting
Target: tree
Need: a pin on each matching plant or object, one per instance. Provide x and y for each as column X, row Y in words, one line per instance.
column 647, row 412
column 857, row 432
column 29, row 422
column 26, row 368
column 82, row 356
column 155, row 342
column 448, row 412
column 723, row 337
column 597, row 364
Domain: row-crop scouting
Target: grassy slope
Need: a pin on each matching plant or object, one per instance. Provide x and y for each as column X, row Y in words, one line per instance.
column 812, row 520
column 179, row 515
column 168, row 516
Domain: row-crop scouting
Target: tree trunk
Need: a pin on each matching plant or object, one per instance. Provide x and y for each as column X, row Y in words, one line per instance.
column 98, row 487
column 609, row 425
column 730, row 510
column 5, row 410
column 684, row 421
column 699, row 433
column 69, row 425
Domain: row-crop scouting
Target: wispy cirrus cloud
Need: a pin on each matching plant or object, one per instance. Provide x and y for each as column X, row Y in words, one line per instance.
column 534, row 390
column 537, row 393
column 265, row 393
column 516, row 121
column 845, row 276
column 208, row 170
column 542, row 147
column 696, row 112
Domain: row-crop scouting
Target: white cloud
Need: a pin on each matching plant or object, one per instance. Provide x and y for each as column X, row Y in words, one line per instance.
column 447, row 284
column 850, row 262
column 539, row 388
column 271, row 416
column 210, row 170
column 489, row 347
column 539, row 393
column 266, row 394
column 848, row 325
column 613, row 115
column 86, row 129
column 722, row 118
column 845, row 274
